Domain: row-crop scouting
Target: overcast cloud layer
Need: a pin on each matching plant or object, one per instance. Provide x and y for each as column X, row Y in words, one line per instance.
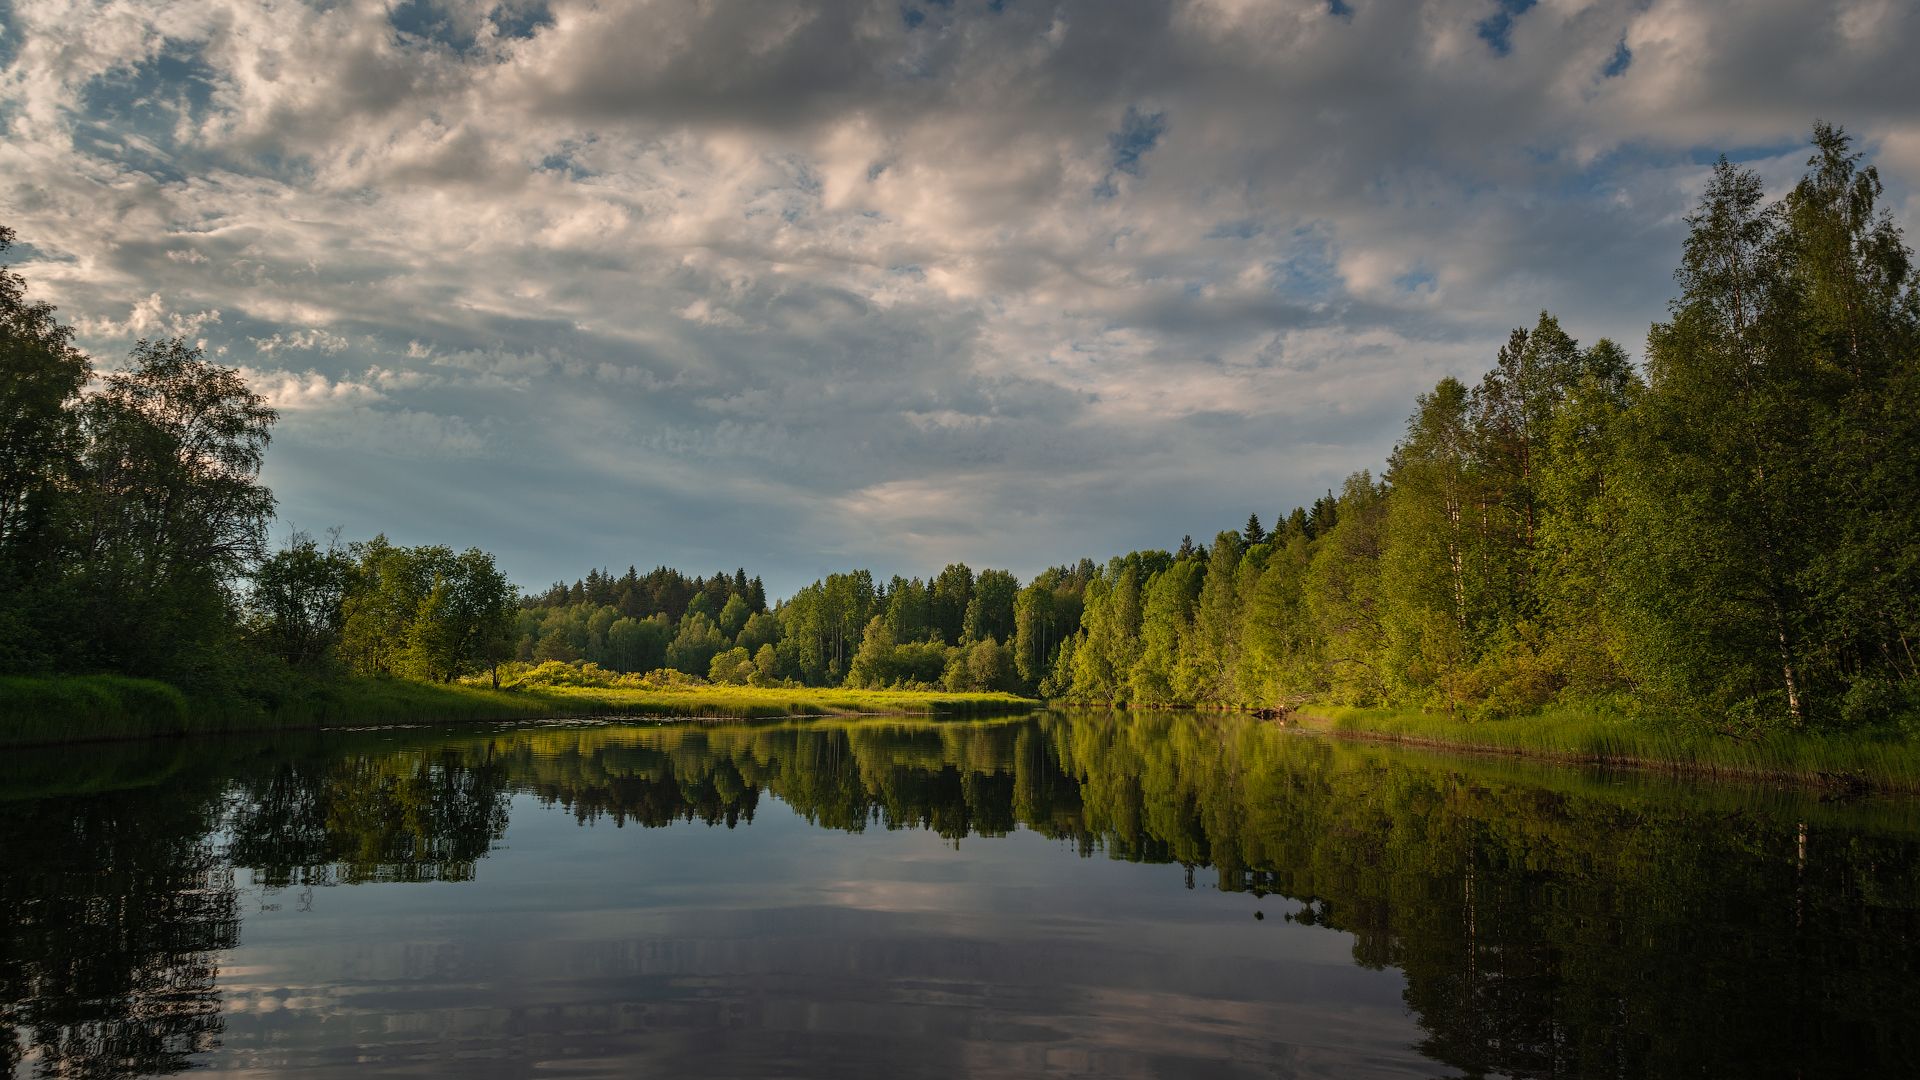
column 809, row 285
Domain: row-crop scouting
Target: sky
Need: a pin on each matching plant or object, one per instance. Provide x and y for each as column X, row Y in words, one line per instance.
column 803, row 286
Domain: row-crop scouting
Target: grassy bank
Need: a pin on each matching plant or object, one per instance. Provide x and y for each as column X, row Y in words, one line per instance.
column 95, row 707
column 90, row 707
column 750, row 702
column 1883, row 761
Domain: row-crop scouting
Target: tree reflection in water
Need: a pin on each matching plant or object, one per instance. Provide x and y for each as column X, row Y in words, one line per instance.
column 1547, row 923
column 117, row 908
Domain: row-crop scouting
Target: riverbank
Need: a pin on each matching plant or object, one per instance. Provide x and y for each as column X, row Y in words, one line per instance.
column 757, row 703
column 1877, row 761
column 41, row 710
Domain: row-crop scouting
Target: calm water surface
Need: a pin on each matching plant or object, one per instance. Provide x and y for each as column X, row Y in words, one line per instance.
column 1081, row 895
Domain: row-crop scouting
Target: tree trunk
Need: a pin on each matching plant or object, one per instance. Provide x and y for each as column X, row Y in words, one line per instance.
column 1786, row 668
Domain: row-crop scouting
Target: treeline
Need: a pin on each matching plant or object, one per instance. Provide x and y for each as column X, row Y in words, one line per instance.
column 955, row 630
column 641, row 623
column 133, row 526
column 1730, row 536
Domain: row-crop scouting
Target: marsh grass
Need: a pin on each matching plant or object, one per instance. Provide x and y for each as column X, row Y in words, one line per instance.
column 96, row 707
column 1881, row 760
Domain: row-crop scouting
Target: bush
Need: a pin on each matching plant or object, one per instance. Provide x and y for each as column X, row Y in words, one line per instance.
column 562, row 673
column 733, row 667
column 1869, row 701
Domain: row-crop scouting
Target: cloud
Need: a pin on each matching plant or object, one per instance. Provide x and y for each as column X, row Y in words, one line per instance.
column 290, row 390
column 765, row 282
column 300, row 341
column 150, row 317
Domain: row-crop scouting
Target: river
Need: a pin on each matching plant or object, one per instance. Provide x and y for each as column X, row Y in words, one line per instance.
column 1065, row 894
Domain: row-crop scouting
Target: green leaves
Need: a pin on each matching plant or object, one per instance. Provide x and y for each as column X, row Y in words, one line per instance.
column 427, row 612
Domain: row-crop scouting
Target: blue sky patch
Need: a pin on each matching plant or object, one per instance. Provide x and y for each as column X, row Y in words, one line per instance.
column 132, row 112
column 1306, row 273
column 1497, row 29
column 1617, row 66
column 521, row 20
column 1138, row 133
column 9, row 35
column 564, row 163
column 423, row 20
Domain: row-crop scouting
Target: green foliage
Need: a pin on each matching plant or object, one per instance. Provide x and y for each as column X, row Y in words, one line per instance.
column 733, row 667
column 733, row 616
column 296, row 607
column 168, row 512
column 425, row 612
column 984, row 665
column 41, row 377
column 1769, row 515
column 1344, row 597
column 882, row 662
column 1209, row 650
column 990, row 610
column 949, row 594
column 1166, row 625
column 873, row 664
column 696, row 644
column 761, row 629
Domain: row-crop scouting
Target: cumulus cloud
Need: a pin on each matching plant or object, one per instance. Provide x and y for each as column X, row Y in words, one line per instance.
column 150, row 317
column 765, row 282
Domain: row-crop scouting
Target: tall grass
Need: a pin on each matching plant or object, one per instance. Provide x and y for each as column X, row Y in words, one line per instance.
column 106, row 706
column 1883, row 760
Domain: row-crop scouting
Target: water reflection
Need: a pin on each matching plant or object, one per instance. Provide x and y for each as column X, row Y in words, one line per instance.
column 1530, row 923
column 116, row 907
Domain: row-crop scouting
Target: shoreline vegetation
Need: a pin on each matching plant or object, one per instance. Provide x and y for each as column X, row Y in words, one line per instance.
column 1846, row 762
column 57, row 710
column 45, row 710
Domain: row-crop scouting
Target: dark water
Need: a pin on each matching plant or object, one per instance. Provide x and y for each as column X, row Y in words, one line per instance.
column 1095, row 895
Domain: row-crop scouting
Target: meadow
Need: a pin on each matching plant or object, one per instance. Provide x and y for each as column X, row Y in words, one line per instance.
column 62, row 709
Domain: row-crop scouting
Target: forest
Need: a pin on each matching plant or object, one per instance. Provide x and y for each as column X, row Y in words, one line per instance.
column 1722, row 535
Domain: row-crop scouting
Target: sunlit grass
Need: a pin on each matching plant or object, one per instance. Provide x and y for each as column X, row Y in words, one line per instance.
column 751, row 702
column 1881, row 760
column 79, row 708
